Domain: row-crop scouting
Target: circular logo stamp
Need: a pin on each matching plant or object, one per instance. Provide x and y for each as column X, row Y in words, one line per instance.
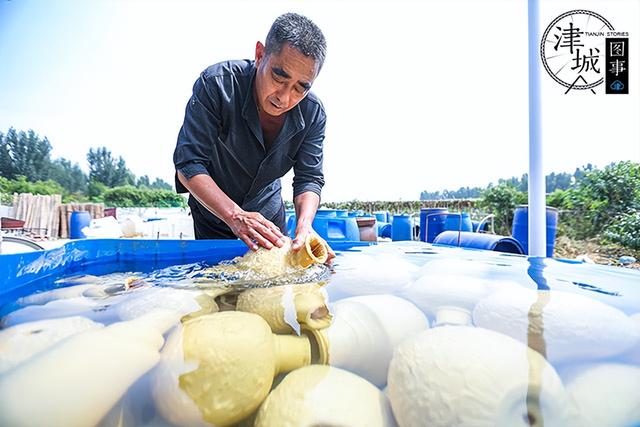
column 573, row 49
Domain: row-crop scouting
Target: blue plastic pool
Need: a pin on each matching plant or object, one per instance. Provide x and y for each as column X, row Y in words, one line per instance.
column 415, row 334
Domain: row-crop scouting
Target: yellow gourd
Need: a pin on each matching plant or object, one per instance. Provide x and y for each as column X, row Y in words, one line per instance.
column 284, row 307
column 226, row 367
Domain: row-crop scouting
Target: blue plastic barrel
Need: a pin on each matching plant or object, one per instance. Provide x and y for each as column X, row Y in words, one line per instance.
column 292, row 221
column 337, row 229
column 384, row 229
column 79, row 220
column 381, row 216
column 358, row 212
column 491, row 242
column 458, row 222
column 520, row 228
column 288, row 213
column 431, row 223
column 476, row 224
column 326, row 213
column 401, row 228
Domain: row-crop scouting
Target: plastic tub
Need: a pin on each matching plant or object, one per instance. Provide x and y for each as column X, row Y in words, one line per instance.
column 336, row 229
column 367, row 228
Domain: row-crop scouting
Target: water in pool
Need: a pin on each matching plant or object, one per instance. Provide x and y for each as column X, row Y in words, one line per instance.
column 405, row 334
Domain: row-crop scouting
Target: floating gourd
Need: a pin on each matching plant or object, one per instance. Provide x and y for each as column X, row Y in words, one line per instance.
column 279, row 260
column 223, row 364
column 363, row 274
column 465, row 376
column 366, row 330
column 607, row 394
column 313, row 251
column 485, row 265
column 267, row 262
column 458, row 266
column 40, row 298
column 86, row 374
column 633, row 355
column 112, row 281
column 287, row 307
column 20, row 342
column 446, row 298
column 397, row 248
column 92, row 290
column 96, row 310
column 264, row 264
column 185, row 302
column 325, row 396
column 572, row 327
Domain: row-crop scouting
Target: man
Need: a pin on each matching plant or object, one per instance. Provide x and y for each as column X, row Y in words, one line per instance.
column 246, row 125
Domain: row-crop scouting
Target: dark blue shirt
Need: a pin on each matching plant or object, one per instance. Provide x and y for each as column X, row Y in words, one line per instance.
column 221, row 136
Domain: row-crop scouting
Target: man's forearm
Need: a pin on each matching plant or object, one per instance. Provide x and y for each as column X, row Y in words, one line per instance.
column 251, row 227
column 207, row 192
column 306, row 205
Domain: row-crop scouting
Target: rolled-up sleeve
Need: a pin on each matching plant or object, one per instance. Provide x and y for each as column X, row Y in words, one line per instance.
column 308, row 174
column 198, row 133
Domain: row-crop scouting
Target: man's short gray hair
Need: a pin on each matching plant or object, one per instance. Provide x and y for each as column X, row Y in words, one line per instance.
column 301, row 33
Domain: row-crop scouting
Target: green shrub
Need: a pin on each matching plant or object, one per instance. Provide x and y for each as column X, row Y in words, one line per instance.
column 625, row 230
column 601, row 197
column 96, row 190
column 76, row 198
column 130, row 196
column 557, row 199
column 124, row 197
column 21, row 185
column 165, row 199
column 410, row 206
column 501, row 201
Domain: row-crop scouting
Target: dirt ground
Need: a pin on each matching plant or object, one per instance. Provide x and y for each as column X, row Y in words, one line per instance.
column 607, row 254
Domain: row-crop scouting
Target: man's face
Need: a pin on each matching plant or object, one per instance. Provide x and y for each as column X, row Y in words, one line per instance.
column 283, row 79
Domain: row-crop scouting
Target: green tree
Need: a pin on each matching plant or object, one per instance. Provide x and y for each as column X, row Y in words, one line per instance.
column 106, row 169
column 6, row 162
column 158, row 184
column 581, row 172
column 28, row 154
column 161, row 184
column 428, row 195
column 69, row 175
column 143, row 181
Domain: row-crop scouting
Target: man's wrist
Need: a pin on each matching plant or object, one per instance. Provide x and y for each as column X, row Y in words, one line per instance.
column 232, row 213
column 305, row 221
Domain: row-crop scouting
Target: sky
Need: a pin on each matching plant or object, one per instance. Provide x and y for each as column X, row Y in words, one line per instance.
column 420, row 95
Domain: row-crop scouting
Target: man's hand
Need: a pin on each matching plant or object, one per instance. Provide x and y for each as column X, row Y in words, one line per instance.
column 250, row 227
column 254, row 230
column 302, row 231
